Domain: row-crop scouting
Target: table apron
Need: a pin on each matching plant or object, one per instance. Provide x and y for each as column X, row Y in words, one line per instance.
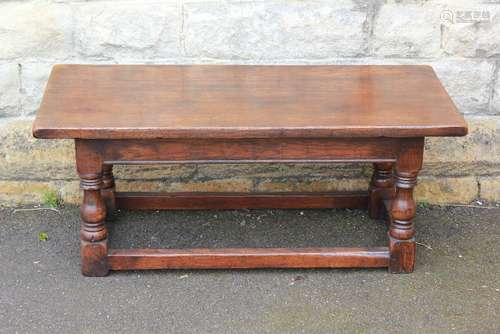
column 144, row 151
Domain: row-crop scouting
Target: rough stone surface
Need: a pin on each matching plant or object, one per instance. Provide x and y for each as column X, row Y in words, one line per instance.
column 23, row 157
column 312, row 185
column 477, row 38
column 490, row 188
column 495, row 102
column 407, row 30
column 482, row 144
column 14, row 193
column 261, row 30
column 429, row 190
column 34, row 77
column 434, row 190
column 232, row 184
column 9, row 90
column 127, row 29
column 447, row 190
column 469, row 82
column 282, row 171
column 34, row 29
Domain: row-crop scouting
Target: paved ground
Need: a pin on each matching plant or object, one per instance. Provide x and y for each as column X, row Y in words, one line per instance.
column 455, row 289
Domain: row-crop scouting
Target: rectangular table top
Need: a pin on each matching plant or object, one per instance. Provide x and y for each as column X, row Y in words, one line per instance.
column 241, row 101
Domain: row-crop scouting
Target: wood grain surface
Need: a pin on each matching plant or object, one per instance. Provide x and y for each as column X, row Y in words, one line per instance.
column 237, row 101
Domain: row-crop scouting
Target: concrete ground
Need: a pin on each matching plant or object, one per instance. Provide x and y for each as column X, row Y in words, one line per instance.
column 455, row 288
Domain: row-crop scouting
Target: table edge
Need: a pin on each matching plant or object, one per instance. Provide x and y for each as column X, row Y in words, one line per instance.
column 250, row 133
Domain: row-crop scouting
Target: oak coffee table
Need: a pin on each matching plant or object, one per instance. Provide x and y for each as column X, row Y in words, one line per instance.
column 141, row 114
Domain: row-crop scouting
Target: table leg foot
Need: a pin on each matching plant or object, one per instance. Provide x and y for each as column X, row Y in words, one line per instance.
column 402, row 255
column 94, row 258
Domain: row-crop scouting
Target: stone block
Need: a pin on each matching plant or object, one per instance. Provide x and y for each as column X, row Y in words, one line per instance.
column 19, row 192
column 495, row 101
column 34, row 77
column 468, row 37
column 127, row 29
column 490, row 188
column 407, row 30
column 445, row 190
column 10, row 95
column 35, row 29
column 482, row 144
column 312, row 185
column 469, row 83
column 260, row 30
column 23, row 157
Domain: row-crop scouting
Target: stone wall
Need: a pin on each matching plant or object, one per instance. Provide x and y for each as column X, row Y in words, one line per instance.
column 460, row 39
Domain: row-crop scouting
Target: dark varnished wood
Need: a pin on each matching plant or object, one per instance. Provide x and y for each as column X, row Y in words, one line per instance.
column 406, row 153
column 93, row 232
column 247, row 114
column 403, row 208
column 108, row 190
column 181, row 201
column 381, row 187
column 246, row 258
column 249, row 150
column 211, row 101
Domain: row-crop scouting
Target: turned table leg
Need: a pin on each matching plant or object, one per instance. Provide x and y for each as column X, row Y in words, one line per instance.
column 93, row 233
column 381, row 184
column 402, row 245
column 108, row 190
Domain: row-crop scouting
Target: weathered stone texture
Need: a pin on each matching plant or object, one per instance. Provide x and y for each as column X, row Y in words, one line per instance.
column 276, row 171
column 407, row 30
column 10, row 95
column 234, row 184
column 127, row 29
column 469, row 82
column 269, row 30
column 34, row 77
column 495, row 102
column 23, row 157
column 35, row 29
column 490, row 188
column 482, row 144
column 429, row 189
column 313, row 185
column 447, row 190
column 474, row 39
column 14, row 193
